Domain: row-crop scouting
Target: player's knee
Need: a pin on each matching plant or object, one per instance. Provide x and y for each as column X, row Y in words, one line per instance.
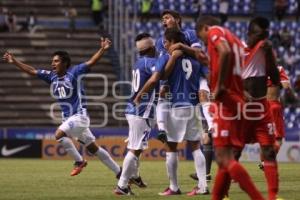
column 92, row 147
column 237, row 154
column 59, row 135
column 269, row 153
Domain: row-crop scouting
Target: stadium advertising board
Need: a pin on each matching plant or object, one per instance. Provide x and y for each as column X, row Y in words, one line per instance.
column 21, row 148
column 289, row 152
column 116, row 146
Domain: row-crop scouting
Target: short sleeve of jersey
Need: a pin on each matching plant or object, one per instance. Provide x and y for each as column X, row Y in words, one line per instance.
column 44, row 75
column 80, row 69
column 159, row 46
column 215, row 35
column 192, row 39
column 161, row 63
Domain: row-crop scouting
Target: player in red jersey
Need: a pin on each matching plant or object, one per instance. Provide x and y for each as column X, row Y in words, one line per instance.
column 260, row 63
column 226, row 59
column 273, row 96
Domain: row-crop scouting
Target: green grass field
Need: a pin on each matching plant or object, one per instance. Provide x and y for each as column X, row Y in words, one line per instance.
column 30, row 179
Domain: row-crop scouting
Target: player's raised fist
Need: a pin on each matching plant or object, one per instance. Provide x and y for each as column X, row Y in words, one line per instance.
column 105, row 43
column 8, row 57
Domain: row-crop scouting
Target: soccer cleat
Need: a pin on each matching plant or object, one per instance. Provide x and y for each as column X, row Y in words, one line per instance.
column 162, row 136
column 194, row 176
column 138, row 182
column 123, row 191
column 119, row 174
column 261, row 166
column 169, row 192
column 78, row 166
column 198, row 191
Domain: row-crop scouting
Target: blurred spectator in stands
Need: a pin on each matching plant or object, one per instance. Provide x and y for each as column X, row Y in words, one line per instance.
column 297, row 85
column 280, row 7
column 286, row 38
column 11, row 21
column 71, row 14
column 298, row 10
column 276, row 39
column 31, row 21
column 196, row 6
column 223, row 10
column 291, row 58
column 145, row 8
column 97, row 8
column 3, row 22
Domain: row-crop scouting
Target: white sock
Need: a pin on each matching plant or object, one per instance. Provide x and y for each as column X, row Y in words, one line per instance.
column 107, row 160
column 136, row 172
column 172, row 164
column 162, row 113
column 200, row 166
column 207, row 115
column 129, row 166
column 70, row 148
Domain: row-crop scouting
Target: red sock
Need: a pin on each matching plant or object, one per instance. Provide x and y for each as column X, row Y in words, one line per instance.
column 221, row 184
column 240, row 175
column 271, row 174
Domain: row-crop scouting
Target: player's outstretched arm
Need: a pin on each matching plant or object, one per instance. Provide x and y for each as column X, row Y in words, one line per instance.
column 149, row 85
column 271, row 62
column 105, row 44
column 10, row 58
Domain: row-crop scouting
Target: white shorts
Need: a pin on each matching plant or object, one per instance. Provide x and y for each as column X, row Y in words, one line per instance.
column 184, row 124
column 139, row 132
column 77, row 126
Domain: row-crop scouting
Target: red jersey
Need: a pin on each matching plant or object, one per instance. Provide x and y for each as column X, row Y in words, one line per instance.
column 233, row 81
column 255, row 62
column 283, row 77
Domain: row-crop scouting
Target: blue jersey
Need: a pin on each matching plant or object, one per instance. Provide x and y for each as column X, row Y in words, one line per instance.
column 184, row 81
column 68, row 90
column 141, row 72
column 190, row 39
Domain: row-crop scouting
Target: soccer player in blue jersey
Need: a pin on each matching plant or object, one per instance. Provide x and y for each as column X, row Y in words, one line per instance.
column 183, row 123
column 193, row 47
column 69, row 92
column 139, row 117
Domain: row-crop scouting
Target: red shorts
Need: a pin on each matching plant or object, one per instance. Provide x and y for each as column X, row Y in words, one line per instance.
column 227, row 126
column 277, row 112
column 258, row 125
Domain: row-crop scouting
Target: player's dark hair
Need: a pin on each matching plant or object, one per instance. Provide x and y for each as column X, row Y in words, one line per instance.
column 173, row 13
column 262, row 23
column 174, row 35
column 64, row 56
column 142, row 36
column 207, row 20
